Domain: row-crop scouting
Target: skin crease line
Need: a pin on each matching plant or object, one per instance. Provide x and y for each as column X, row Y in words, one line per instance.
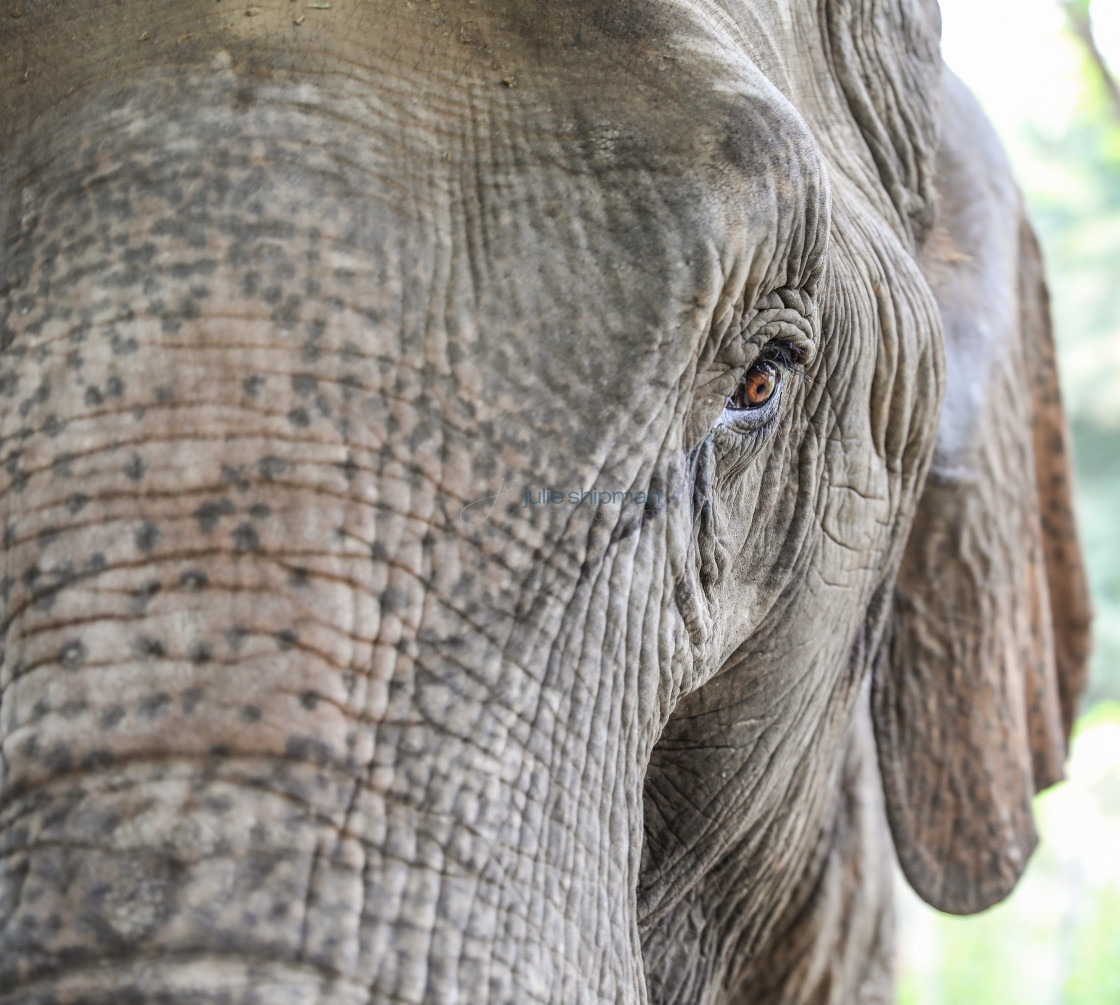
column 514, row 502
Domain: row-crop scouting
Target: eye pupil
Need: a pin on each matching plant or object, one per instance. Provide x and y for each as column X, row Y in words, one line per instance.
column 757, row 386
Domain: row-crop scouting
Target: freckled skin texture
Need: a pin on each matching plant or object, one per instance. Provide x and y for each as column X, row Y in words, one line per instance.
column 285, row 290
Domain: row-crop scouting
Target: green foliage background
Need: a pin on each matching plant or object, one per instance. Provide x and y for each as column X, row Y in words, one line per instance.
column 1056, row 940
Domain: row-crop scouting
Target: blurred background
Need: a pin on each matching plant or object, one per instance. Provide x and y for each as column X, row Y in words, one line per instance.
column 1047, row 71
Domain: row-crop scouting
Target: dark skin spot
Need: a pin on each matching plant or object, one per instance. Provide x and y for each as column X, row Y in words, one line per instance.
column 111, row 717
column 350, row 383
column 299, row 417
column 260, row 511
column 147, row 536
column 135, row 468
column 286, row 639
column 142, row 255
column 200, row 653
column 147, row 647
column 59, row 760
column 271, row 466
column 209, row 513
column 305, row 748
column 304, row 384
column 189, row 700
column 249, row 714
column 140, row 598
column 72, row 654
column 233, row 475
column 122, row 346
column 309, row 700
column 298, row 577
column 245, row 537
column 252, row 385
column 42, row 393
column 155, row 705
column 76, row 502
column 44, row 600
column 287, row 314
column 193, row 580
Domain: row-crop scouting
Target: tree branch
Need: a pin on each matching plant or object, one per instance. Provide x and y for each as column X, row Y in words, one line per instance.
column 1077, row 16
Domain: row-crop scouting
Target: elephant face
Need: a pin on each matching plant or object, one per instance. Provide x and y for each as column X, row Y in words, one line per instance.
column 468, row 534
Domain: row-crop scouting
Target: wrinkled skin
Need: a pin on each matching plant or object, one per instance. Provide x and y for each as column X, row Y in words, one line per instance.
column 282, row 722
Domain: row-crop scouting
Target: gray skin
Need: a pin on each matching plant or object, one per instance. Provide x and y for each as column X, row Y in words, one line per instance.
column 287, row 288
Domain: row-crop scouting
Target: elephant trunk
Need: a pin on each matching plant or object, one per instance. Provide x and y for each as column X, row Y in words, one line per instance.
column 264, row 735
column 278, row 722
column 255, row 750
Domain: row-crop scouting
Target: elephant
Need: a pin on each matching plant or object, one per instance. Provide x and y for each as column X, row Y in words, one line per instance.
column 514, row 501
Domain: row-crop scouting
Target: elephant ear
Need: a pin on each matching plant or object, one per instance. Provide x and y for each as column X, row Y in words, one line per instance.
column 977, row 680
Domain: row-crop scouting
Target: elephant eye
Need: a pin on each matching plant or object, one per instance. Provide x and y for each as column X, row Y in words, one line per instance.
column 757, row 387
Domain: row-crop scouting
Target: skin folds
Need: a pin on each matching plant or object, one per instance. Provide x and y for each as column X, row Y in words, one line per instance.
column 285, row 302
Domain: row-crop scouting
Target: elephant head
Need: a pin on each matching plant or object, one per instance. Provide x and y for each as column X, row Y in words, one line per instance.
column 514, row 502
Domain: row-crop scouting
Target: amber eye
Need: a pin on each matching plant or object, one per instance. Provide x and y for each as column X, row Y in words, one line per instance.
column 756, row 388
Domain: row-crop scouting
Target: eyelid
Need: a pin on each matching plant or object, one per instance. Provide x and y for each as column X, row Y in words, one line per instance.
column 790, row 359
column 802, row 349
column 784, row 316
column 785, row 343
column 756, row 422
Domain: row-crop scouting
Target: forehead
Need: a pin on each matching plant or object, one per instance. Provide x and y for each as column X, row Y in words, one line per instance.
column 630, row 151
